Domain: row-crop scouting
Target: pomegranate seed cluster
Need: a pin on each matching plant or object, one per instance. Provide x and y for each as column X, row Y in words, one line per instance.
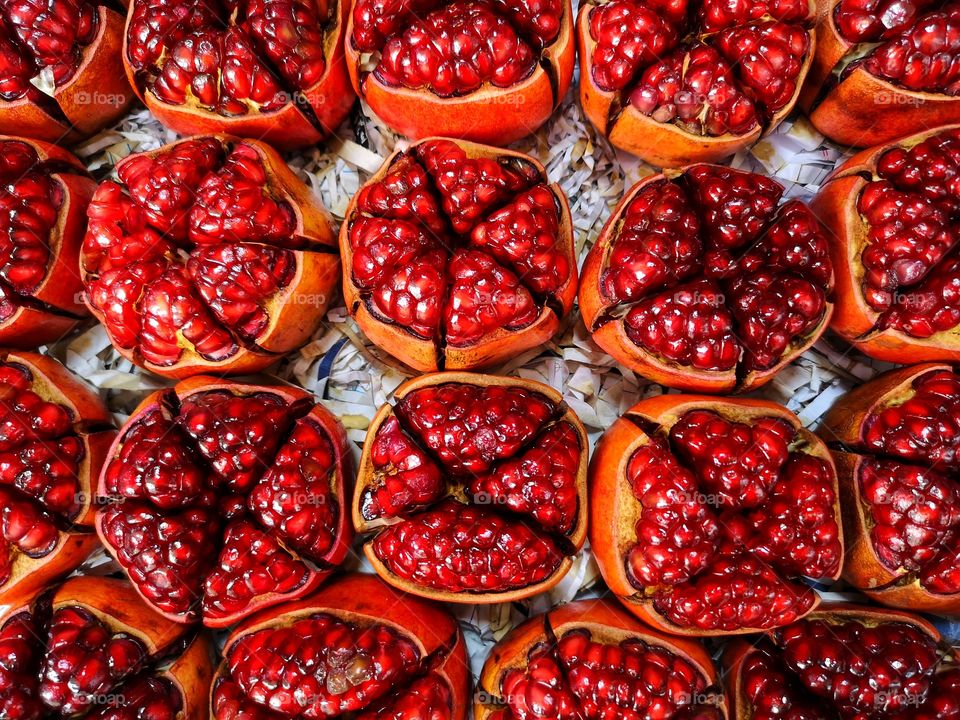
column 455, row 246
column 196, row 254
column 224, row 500
column 481, row 484
column 710, row 68
column 844, row 665
column 708, row 279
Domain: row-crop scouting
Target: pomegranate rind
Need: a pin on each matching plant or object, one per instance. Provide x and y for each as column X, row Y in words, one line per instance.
column 427, row 355
column 853, row 319
column 493, row 115
column 366, row 478
column 614, row 510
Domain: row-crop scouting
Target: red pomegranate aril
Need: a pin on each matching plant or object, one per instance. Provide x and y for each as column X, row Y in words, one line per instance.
column 943, row 574
column 412, row 296
column 19, row 656
column 425, row 697
column 772, row 692
column 144, row 698
column 289, row 33
column 735, row 206
column 860, row 20
column 629, row 35
column 404, row 193
column 540, row 690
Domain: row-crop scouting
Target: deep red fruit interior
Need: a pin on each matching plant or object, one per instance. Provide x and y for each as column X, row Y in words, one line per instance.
column 484, row 480
column 455, row 48
column 728, row 514
column 325, row 666
column 237, row 58
column 75, row 664
column 192, row 244
column 710, row 67
column 713, row 275
column 582, row 676
column 452, row 248
column 225, row 498
column 40, row 458
column 909, row 488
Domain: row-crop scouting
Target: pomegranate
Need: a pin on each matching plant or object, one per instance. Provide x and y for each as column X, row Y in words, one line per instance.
column 705, row 511
column 703, row 282
column 488, row 71
column 892, row 210
column 845, row 661
column 680, row 82
column 356, row 649
column 61, row 78
column 44, row 192
column 91, row 649
column 272, row 70
column 54, row 437
column 208, row 254
column 222, row 498
column 458, row 255
column 883, row 69
column 895, row 444
column 589, row 659
column 473, row 488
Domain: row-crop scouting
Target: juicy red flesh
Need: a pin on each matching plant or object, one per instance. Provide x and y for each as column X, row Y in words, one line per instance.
column 713, row 68
column 772, row 692
column 501, row 449
column 41, row 453
column 727, row 515
column 189, row 255
column 222, row 501
column 245, row 57
column 454, row 249
column 714, row 275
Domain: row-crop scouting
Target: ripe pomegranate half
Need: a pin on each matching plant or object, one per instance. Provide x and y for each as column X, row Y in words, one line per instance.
column 208, row 254
column 895, row 444
column 222, row 498
column 44, row 192
column 488, row 71
column 61, row 78
column 679, row 81
column 54, row 436
column 267, row 69
column 473, row 488
column 700, row 281
column 845, row 661
column 892, row 210
column 357, row 649
column 91, row 649
column 705, row 511
column 883, row 69
column 458, row 256
column 589, row 659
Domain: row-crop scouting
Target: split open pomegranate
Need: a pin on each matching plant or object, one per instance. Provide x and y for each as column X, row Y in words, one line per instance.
column 488, row 71
column 222, row 498
column 883, row 69
column 91, row 649
column 458, row 255
column 895, row 444
column 705, row 282
column 704, row 512
column 44, row 192
column 893, row 212
column 679, row 81
column 845, row 661
column 61, row 76
column 589, row 659
column 208, row 254
column 54, row 436
column 267, row 69
column 473, row 488
column 356, row 649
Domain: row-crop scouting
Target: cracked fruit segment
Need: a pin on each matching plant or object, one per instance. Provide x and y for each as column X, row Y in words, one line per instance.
column 226, row 498
column 207, row 254
column 458, row 255
column 472, row 488
column 705, row 281
column 355, row 649
column 895, row 441
column 706, row 514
